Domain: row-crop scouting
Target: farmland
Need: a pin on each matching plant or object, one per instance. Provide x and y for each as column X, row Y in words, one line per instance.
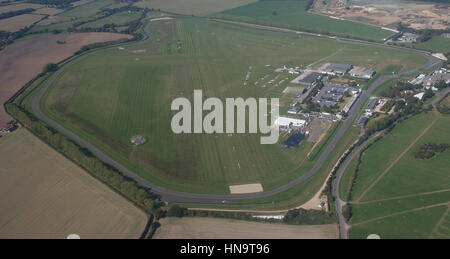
column 435, row 44
column 23, row 60
column 135, row 87
column 214, row 228
column 16, row 7
column 395, row 192
column 87, row 10
column 293, row 14
column 196, row 7
column 119, row 18
column 18, row 22
column 44, row 195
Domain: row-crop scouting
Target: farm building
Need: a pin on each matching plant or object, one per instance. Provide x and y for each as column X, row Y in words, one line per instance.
column 334, row 69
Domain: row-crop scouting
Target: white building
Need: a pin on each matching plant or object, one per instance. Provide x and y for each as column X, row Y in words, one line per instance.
column 419, row 95
column 289, row 122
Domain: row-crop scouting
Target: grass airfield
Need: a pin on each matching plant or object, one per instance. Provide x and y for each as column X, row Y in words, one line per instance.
column 117, row 93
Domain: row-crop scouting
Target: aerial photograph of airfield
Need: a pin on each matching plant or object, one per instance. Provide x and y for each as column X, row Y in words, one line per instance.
column 88, row 150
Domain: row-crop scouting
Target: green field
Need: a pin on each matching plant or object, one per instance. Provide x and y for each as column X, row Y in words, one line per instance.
column 87, row 10
column 293, row 14
column 195, row 7
column 114, row 94
column 435, row 44
column 395, row 192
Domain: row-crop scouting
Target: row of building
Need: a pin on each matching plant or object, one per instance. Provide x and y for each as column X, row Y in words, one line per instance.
column 432, row 80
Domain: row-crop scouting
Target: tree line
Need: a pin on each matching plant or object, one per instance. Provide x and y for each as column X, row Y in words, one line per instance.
column 16, row 13
column 293, row 217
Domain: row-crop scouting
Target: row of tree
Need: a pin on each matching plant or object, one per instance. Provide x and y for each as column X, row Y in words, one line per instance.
column 15, row 13
column 54, row 3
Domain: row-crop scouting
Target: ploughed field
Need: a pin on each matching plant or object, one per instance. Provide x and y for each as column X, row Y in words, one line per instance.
column 117, row 93
column 44, row 195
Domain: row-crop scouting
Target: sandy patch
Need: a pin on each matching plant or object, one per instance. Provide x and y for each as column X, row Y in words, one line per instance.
column 161, row 19
column 23, row 60
column 214, row 228
column 139, row 51
column 246, row 188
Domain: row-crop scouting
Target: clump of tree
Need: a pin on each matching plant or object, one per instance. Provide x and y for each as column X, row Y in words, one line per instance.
column 396, row 90
column 50, row 67
column 444, row 109
column 347, row 212
column 54, row 3
column 176, row 211
column 429, row 150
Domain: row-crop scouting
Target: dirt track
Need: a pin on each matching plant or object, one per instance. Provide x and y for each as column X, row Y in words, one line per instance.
column 23, row 60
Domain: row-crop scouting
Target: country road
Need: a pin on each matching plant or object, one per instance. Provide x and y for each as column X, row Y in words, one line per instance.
column 183, row 197
column 339, row 203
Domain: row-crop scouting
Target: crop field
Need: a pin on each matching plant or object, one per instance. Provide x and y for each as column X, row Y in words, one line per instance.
column 89, row 9
column 196, row 7
column 134, row 87
column 21, row 6
column 395, row 192
column 293, row 14
column 18, row 22
column 435, row 44
column 49, row 11
column 24, row 60
column 215, row 228
column 44, row 195
column 118, row 19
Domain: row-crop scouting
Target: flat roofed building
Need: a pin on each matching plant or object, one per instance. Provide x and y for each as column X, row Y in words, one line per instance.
column 289, row 122
column 311, row 78
column 337, row 69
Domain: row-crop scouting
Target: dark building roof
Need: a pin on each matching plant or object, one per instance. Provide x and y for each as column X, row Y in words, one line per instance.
column 372, row 103
column 311, row 78
column 363, row 121
column 343, row 68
